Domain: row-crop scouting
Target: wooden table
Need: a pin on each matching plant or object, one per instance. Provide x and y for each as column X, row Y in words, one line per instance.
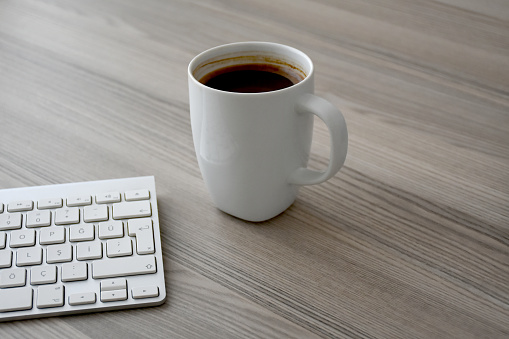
column 409, row 240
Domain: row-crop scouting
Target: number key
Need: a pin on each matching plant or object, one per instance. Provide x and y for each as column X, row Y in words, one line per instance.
column 65, row 216
column 10, row 221
column 38, row 218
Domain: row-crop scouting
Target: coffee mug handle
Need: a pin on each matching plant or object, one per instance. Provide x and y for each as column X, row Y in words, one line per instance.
column 335, row 121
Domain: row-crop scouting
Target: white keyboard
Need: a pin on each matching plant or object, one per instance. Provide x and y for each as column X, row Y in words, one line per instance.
column 80, row 247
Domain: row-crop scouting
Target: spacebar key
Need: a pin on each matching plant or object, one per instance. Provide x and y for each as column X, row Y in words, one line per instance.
column 124, row 266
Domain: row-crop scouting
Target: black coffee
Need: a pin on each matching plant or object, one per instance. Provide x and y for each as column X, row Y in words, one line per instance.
column 251, row 78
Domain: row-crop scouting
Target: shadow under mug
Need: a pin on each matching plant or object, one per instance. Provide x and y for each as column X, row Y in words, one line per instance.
column 253, row 148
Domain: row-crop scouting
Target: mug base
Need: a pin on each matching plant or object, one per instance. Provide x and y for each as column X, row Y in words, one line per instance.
column 256, row 217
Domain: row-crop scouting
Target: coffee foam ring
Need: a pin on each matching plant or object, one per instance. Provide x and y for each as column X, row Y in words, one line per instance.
column 279, row 65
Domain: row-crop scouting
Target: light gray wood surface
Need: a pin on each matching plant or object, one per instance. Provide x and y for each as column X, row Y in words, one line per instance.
column 409, row 240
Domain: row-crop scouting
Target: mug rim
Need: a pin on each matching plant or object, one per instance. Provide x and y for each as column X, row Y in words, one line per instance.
column 198, row 60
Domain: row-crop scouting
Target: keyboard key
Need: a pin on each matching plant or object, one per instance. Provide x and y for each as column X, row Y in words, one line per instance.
column 66, row 216
column 111, row 229
column 145, row 292
column 83, row 232
column 12, row 277
column 58, row 253
column 120, row 267
column 22, row 238
column 143, row 230
column 5, row 258
column 45, row 274
column 50, row 296
column 119, row 247
column 105, row 198
column 52, row 235
column 10, row 221
column 132, row 209
column 81, row 200
column 19, row 206
column 38, row 218
column 114, row 295
column 16, row 299
column 113, row 284
column 89, row 250
column 49, row 203
column 74, row 271
column 1, row 207
column 95, row 213
column 137, row 195
column 3, row 240
column 83, row 298
column 29, row 256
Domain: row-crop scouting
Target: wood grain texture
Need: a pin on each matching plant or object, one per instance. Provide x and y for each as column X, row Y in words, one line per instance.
column 409, row 240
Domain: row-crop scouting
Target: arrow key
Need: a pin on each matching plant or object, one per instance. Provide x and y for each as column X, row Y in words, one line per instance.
column 82, row 298
column 145, row 292
column 113, row 284
column 113, row 295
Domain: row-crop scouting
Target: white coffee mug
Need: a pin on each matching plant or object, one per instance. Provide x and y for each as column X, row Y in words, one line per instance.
column 253, row 148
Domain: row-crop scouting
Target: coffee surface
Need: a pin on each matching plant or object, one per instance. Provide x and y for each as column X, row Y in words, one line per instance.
column 252, row 78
